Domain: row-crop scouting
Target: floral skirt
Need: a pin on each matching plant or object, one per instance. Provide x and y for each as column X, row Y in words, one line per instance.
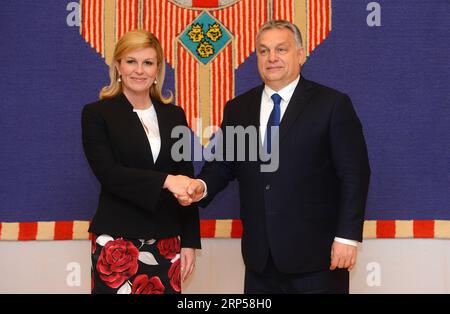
column 131, row 266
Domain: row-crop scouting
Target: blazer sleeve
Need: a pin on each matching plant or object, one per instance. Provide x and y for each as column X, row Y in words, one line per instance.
column 190, row 233
column 350, row 159
column 140, row 187
column 218, row 172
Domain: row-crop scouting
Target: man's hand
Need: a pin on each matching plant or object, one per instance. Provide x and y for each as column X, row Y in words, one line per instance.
column 343, row 256
column 187, row 263
column 195, row 190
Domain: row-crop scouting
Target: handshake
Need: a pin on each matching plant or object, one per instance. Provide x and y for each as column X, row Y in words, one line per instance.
column 185, row 189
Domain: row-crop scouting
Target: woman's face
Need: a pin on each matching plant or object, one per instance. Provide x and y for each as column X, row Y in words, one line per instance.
column 138, row 70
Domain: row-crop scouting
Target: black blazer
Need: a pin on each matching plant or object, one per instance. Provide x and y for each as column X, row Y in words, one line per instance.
column 132, row 200
column 319, row 190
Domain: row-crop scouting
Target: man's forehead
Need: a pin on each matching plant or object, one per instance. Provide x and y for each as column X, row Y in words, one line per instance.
column 274, row 42
column 276, row 36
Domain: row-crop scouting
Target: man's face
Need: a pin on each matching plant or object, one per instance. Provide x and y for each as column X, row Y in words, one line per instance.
column 279, row 58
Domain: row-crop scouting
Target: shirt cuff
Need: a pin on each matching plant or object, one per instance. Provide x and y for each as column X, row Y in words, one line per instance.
column 206, row 188
column 346, row 241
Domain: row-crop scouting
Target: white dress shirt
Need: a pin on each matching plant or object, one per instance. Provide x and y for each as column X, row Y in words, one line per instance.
column 267, row 104
column 149, row 122
column 266, row 108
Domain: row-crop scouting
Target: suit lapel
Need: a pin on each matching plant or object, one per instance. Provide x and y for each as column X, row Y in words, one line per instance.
column 254, row 110
column 164, row 131
column 137, row 131
column 296, row 105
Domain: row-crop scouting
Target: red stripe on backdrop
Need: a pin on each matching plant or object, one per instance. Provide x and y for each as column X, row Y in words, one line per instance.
column 286, row 12
column 321, row 21
column 146, row 12
column 207, row 228
column 275, row 10
column 63, row 230
column 205, row 3
column 247, row 37
column 423, row 228
column 194, row 90
column 214, row 78
column 236, row 229
column 97, row 25
column 100, row 28
column 327, row 18
column 310, row 26
column 83, row 19
column 119, row 19
column 172, row 31
column 27, row 231
column 386, row 229
column 89, row 26
column 316, row 24
column 126, row 16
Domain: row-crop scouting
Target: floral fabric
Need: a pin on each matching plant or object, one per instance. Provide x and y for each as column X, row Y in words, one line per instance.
column 130, row 266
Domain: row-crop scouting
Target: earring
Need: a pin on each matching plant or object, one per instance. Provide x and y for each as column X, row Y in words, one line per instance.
column 155, row 82
column 119, row 80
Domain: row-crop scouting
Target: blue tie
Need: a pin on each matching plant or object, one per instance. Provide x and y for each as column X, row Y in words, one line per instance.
column 274, row 120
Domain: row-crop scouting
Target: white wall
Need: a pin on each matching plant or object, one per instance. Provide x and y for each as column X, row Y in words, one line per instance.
column 384, row 266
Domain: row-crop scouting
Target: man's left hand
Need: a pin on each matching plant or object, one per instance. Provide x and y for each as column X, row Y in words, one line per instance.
column 343, row 256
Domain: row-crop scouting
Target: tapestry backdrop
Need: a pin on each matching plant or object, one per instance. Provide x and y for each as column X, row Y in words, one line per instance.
column 391, row 57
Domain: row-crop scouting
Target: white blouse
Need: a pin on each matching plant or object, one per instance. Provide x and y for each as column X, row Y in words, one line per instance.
column 149, row 122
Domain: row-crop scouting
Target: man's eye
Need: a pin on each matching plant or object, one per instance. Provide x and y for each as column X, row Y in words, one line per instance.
column 130, row 61
column 148, row 62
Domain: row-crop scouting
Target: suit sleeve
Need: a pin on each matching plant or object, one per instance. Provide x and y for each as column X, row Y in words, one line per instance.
column 140, row 187
column 350, row 159
column 218, row 172
column 190, row 233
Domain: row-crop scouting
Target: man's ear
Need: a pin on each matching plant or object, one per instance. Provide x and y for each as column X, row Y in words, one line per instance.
column 301, row 55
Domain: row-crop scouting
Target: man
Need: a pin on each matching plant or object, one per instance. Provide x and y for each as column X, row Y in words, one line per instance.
column 302, row 222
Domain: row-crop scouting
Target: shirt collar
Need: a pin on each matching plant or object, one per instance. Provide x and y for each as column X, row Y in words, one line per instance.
column 285, row 93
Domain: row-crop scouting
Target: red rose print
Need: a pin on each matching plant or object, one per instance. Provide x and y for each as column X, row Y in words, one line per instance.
column 118, row 261
column 174, row 275
column 93, row 244
column 143, row 285
column 169, row 248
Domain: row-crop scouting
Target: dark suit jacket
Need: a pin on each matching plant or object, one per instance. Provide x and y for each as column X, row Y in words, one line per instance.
column 319, row 190
column 132, row 202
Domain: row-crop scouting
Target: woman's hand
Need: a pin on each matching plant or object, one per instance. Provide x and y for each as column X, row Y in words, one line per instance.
column 178, row 185
column 187, row 263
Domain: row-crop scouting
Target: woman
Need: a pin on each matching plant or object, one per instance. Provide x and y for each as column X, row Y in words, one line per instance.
column 144, row 241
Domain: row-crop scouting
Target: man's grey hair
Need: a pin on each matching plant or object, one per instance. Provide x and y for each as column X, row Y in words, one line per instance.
column 281, row 24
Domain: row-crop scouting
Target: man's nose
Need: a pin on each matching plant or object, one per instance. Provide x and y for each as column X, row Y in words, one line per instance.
column 272, row 56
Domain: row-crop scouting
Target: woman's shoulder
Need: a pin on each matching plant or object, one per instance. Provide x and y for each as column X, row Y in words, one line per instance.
column 101, row 105
column 172, row 108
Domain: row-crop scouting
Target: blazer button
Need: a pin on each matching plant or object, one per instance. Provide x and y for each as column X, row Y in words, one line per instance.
column 267, row 187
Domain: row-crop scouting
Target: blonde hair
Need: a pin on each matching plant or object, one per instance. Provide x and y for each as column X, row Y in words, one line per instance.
column 131, row 41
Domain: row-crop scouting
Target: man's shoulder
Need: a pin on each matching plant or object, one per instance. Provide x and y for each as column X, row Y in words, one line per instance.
column 323, row 91
column 245, row 99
